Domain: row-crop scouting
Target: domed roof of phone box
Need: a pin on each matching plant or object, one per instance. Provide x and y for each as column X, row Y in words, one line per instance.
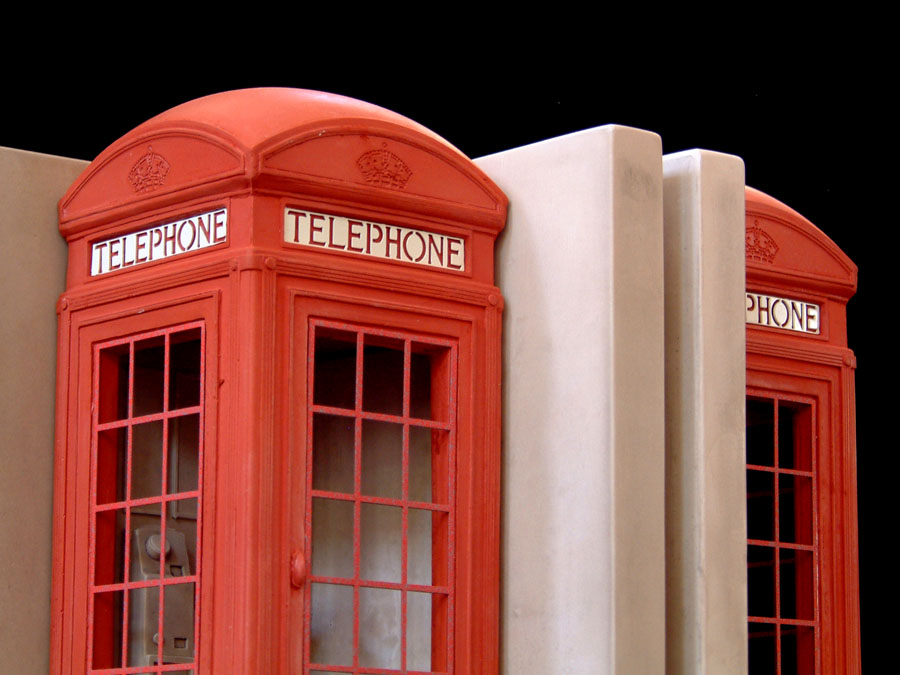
column 784, row 249
column 292, row 140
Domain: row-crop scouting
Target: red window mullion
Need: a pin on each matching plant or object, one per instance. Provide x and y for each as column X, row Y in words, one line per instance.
column 777, row 530
column 357, row 490
column 404, row 495
column 97, row 617
column 201, row 440
column 812, row 651
column 126, row 574
column 307, row 516
column 164, row 506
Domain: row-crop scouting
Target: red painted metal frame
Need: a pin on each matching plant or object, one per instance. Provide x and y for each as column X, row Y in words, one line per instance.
column 811, row 517
column 789, row 257
column 256, row 153
column 128, row 422
column 357, row 414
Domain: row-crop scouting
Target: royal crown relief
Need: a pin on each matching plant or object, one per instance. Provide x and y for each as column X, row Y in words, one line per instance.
column 772, row 310
column 381, row 168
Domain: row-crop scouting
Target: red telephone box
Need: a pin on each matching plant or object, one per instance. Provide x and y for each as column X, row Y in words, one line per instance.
column 278, row 420
column 802, row 569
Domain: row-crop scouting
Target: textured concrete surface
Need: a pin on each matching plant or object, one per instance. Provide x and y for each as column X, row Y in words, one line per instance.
column 31, row 278
column 581, row 267
column 706, row 570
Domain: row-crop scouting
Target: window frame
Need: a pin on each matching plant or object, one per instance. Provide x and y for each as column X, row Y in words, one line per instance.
column 781, row 623
column 106, row 377
column 441, row 621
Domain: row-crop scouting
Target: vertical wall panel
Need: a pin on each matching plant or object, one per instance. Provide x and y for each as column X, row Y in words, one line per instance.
column 31, row 278
column 581, row 267
column 706, row 596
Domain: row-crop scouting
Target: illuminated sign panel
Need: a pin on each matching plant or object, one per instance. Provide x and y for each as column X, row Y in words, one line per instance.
column 770, row 310
column 388, row 242
column 159, row 241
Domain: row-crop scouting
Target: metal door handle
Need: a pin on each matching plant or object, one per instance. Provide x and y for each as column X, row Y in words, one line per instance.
column 298, row 570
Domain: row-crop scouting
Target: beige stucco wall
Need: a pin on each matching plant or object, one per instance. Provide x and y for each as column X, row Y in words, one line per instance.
column 706, row 568
column 31, row 278
column 581, row 267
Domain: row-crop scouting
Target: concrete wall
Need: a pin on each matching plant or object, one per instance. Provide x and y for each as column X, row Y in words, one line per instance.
column 581, row 267
column 706, row 569
column 31, row 278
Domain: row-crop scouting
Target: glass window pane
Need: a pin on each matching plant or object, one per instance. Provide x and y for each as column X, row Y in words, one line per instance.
column 380, row 542
column 797, row 584
column 761, row 505
column 143, row 626
column 795, row 515
column 760, row 432
column 109, row 557
column 798, row 649
column 107, row 644
column 423, row 525
column 762, row 649
column 149, row 376
column 178, row 631
column 331, row 625
column 181, row 531
column 335, row 369
column 112, row 401
column 418, row 631
column 795, row 436
column 420, row 476
column 184, row 453
column 333, row 453
column 382, row 455
column 379, row 628
column 761, row 581
column 184, row 369
column 383, row 375
column 420, row 385
column 146, row 547
column 332, row 544
column 146, row 460
column 112, row 458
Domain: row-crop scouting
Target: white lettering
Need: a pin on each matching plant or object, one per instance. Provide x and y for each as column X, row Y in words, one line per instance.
column 783, row 313
column 378, row 240
column 160, row 241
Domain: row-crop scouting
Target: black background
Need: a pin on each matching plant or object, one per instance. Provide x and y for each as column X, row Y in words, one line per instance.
column 817, row 136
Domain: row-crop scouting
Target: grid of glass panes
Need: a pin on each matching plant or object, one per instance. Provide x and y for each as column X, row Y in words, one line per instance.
column 782, row 551
column 146, row 490
column 380, row 501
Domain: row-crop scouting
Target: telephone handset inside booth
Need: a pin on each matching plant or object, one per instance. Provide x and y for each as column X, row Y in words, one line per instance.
column 147, row 553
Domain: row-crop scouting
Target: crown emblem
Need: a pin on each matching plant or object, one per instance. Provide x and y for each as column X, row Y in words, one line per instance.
column 759, row 245
column 149, row 172
column 383, row 167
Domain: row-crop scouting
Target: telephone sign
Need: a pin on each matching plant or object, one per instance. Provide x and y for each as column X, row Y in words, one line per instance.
column 784, row 313
column 160, row 241
column 388, row 242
